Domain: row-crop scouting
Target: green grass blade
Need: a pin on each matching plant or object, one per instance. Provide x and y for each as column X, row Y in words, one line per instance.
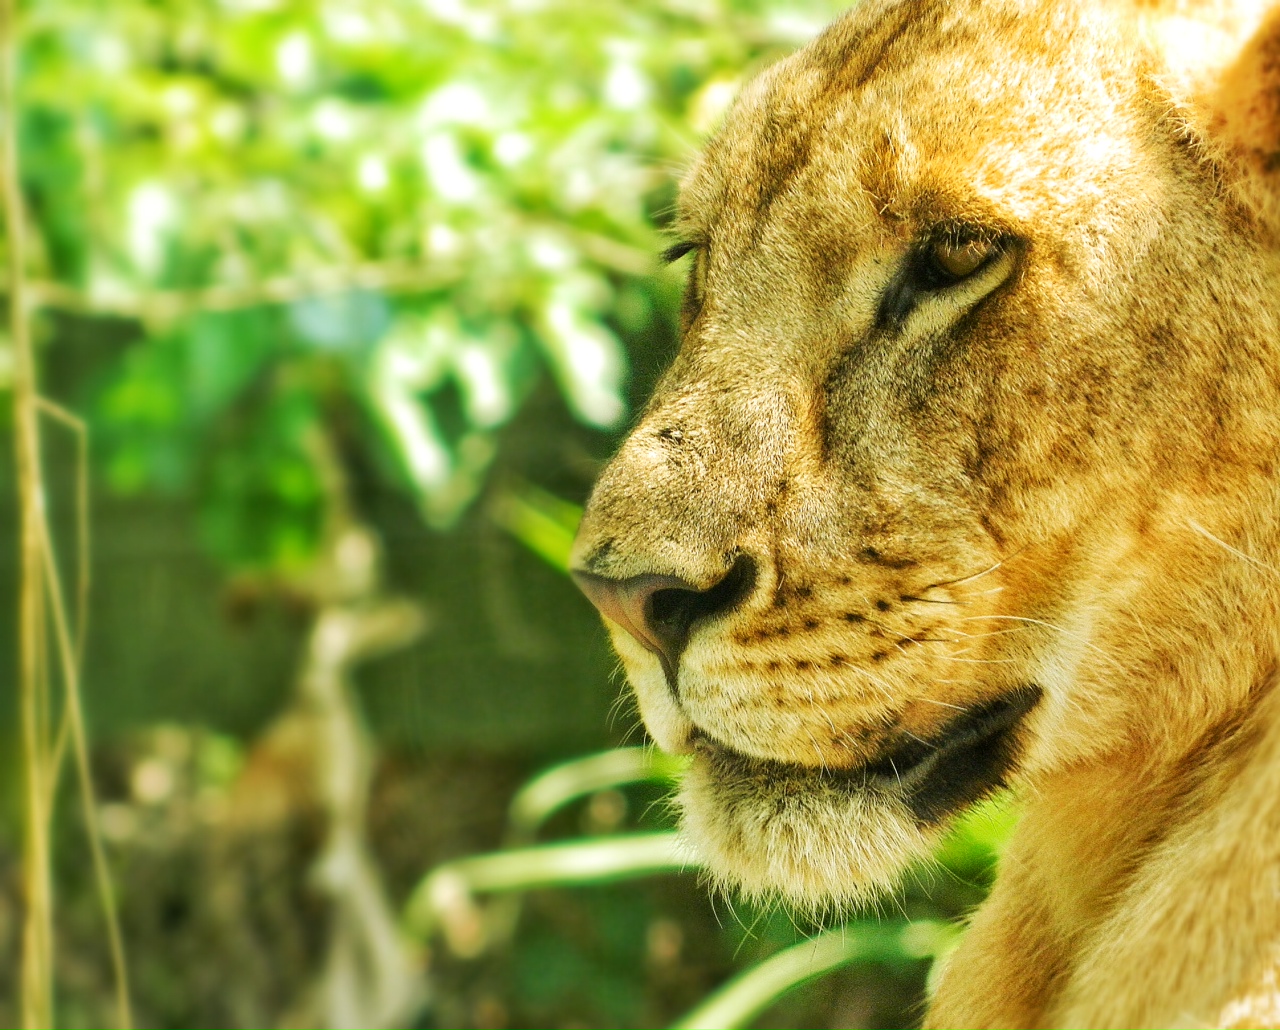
column 550, row 791
column 549, row 865
column 747, row 995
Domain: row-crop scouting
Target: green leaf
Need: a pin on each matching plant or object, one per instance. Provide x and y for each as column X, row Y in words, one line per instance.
column 541, row 521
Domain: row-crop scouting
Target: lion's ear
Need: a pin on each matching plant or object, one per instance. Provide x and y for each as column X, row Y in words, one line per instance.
column 1222, row 59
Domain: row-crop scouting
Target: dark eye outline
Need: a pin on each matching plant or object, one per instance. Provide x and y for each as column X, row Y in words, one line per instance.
column 921, row 274
column 694, row 286
column 678, row 250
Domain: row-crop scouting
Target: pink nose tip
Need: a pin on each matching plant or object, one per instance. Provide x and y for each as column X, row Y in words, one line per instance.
column 660, row 611
column 629, row 603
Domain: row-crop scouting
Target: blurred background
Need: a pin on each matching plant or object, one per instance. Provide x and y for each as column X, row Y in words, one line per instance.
column 335, row 309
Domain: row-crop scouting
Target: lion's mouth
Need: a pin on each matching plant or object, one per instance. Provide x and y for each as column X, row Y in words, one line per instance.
column 935, row 776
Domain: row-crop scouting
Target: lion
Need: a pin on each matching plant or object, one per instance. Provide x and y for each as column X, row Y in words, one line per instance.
column 967, row 476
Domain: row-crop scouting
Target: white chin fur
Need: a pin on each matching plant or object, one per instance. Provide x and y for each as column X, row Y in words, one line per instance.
column 817, row 849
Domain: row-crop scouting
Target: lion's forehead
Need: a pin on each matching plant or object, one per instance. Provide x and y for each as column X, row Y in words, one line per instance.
column 935, row 122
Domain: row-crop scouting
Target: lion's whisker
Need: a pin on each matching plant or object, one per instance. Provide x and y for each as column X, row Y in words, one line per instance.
column 817, row 751
column 813, row 702
column 1049, row 625
column 1256, row 562
column 944, row 704
column 976, row 575
column 978, row 661
column 985, row 635
column 869, row 675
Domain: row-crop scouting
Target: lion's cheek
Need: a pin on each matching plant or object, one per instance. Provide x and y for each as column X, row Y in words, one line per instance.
column 818, row 848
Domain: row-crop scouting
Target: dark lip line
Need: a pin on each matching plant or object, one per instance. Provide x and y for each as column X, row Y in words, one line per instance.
column 902, row 768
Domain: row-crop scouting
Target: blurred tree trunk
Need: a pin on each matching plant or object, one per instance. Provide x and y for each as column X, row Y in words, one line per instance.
column 369, row 977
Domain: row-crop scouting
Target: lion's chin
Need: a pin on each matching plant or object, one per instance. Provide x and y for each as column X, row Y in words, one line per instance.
column 813, row 842
column 820, row 839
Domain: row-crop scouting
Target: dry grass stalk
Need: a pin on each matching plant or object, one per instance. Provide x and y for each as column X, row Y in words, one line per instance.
column 33, row 680
column 40, row 595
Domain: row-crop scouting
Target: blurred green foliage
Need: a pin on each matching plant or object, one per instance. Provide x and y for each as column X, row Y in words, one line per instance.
column 418, row 207
column 425, row 230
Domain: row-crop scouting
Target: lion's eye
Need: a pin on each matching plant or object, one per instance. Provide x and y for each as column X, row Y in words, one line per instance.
column 957, row 260
column 935, row 268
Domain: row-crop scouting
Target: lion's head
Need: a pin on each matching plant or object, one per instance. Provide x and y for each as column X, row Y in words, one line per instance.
column 978, row 388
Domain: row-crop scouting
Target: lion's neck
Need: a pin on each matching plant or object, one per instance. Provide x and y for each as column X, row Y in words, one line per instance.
column 1106, row 888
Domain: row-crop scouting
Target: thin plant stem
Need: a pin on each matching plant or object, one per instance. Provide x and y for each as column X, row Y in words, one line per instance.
column 80, row 432
column 83, row 572
column 37, row 931
column 75, row 719
column 40, row 587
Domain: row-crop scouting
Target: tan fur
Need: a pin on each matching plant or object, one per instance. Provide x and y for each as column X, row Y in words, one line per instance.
column 1063, row 471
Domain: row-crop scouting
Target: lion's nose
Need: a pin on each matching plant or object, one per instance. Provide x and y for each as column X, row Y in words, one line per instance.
column 660, row 611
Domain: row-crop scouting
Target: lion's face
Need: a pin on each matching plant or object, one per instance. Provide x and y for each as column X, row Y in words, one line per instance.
column 885, row 536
